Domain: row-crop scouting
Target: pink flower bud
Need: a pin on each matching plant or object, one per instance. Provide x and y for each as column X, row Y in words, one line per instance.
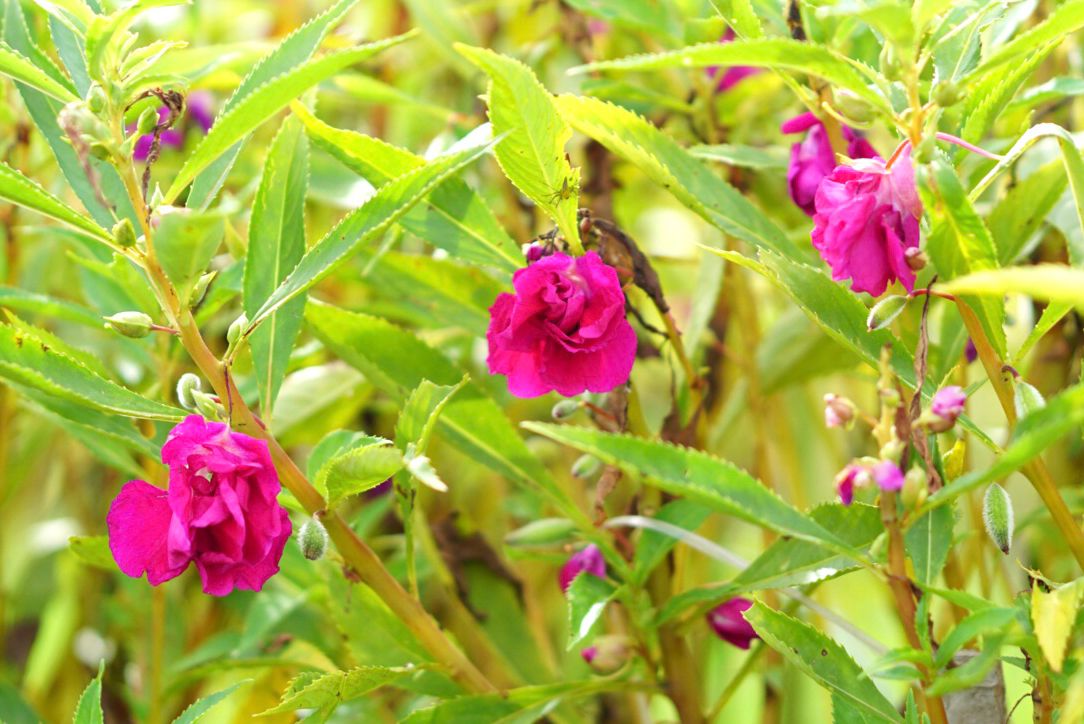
column 838, row 411
column 730, row 625
column 734, row 74
column 948, row 403
column 851, row 477
column 589, row 560
column 888, row 476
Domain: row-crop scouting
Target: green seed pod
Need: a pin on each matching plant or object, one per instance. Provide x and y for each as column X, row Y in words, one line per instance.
column 946, row 94
column 542, row 532
column 206, row 405
column 885, row 311
column 233, row 334
column 124, row 233
column 130, row 324
column 585, row 466
column 312, row 539
column 997, row 514
column 199, row 289
column 1026, row 399
column 186, row 385
column 564, row 409
column 148, row 119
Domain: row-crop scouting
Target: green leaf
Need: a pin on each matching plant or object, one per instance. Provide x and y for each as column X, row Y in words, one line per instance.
column 1032, row 435
column 977, row 624
column 316, row 691
column 421, row 411
column 822, row 659
column 25, row 359
column 694, row 475
column 649, row 15
column 93, row 550
column 337, row 442
column 928, row 541
column 89, row 708
column 260, row 105
column 653, row 545
column 185, row 241
column 276, row 243
column 675, row 169
column 587, row 598
column 777, row 53
column 200, row 707
column 761, row 159
column 1066, row 19
column 381, row 210
column 19, row 68
column 293, row 51
column 357, row 470
column 1053, row 614
column 1023, row 208
column 107, row 33
column 1049, row 282
column 19, row 190
column 533, row 156
column 455, row 218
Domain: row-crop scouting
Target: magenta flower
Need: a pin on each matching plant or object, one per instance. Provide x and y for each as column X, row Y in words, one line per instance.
column 220, row 512
column 588, row 654
column 735, row 73
column 730, row 625
column 888, row 476
column 589, row 560
column 198, row 107
column 866, row 220
column 847, row 480
column 948, row 402
column 563, row 329
column 970, row 352
column 812, row 159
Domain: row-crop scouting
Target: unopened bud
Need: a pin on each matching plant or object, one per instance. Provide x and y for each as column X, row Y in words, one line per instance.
column 200, row 288
column 924, row 151
column 186, row 385
column 205, row 405
column 915, row 488
column 124, row 233
column 839, row 411
column 915, row 258
column 953, row 460
column 585, row 466
column 542, row 532
column 130, row 324
column 533, row 252
column 608, row 653
column 148, row 119
column 892, row 450
column 312, row 539
column 890, row 397
column 96, row 99
column 885, row 311
column 233, row 334
column 853, row 107
column 565, row 409
column 891, row 67
column 946, row 93
column 1026, row 399
column 997, row 515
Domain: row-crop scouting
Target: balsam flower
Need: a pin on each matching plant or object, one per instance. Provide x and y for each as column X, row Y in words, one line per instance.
column 563, row 329
column 812, row 158
column 220, row 512
column 730, row 625
column 589, row 560
column 734, row 74
column 946, row 406
column 887, row 475
column 866, row 219
column 851, row 477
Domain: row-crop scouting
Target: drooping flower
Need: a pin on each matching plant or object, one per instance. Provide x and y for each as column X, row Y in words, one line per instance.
column 730, row 625
column 866, row 219
column 563, row 329
column 812, row 159
column 734, row 74
column 589, row 560
column 198, row 107
column 220, row 512
column 887, row 475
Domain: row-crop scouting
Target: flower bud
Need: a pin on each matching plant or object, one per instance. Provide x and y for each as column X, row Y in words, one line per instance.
column 545, row 531
column 884, row 312
column 312, row 539
column 130, row 324
column 887, row 475
column 997, row 515
column 915, row 488
column 890, row 397
column 915, row 258
column 124, row 233
column 891, row 68
column 96, row 99
column 148, row 119
column 892, row 450
column 589, row 560
column 608, row 653
column 849, row 478
column 1026, row 399
column 853, row 107
column 533, row 252
column 728, row 623
column 186, row 385
column 585, row 466
column 838, row 411
column 206, row 406
column 565, row 409
column 945, row 407
column 946, row 94
column 237, row 327
column 200, row 288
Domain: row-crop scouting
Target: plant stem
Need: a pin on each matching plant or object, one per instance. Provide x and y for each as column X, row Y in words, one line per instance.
column 158, row 635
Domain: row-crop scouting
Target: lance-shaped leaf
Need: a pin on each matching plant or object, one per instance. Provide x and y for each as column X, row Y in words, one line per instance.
column 313, row 690
column 19, row 68
column 20, row 190
column 1067, row 18
column 587, row 597
column 1048, row 282
column 276, row 243
column 26, row 359
column 89, row 708
column 777, row 53
column 200, row 707
column 381, row 210
column 292, row 52
column 1054, row 614
column 533, row 157
column 675, row 169
column 261, row 105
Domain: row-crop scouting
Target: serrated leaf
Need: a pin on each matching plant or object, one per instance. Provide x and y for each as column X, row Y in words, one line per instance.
column 259, row 106
column 1066, row 19
column 766, row 159
column 19, row 68
column 996, row 620
column 1048, row 282
column 330, row 690
column 357, row 470
column 92, row 550
column 380, row 211
column 293, row 51
column 653, row 545
column 694, row 475
column 89, row 708
column 821, row 658
column 1053, row 615
column 455, row 218
column 533, row 156
column 1023, row 209
column 990, row 96
column 200, row 707
column 185, row 241
column 777, row 53
column 421, row 411
column 27, row 360
column 337, row 442
column 587, row 598
column 675, row 169
column 276, row 243
column 106, row 32
column 928, row 541
column 20, row 190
